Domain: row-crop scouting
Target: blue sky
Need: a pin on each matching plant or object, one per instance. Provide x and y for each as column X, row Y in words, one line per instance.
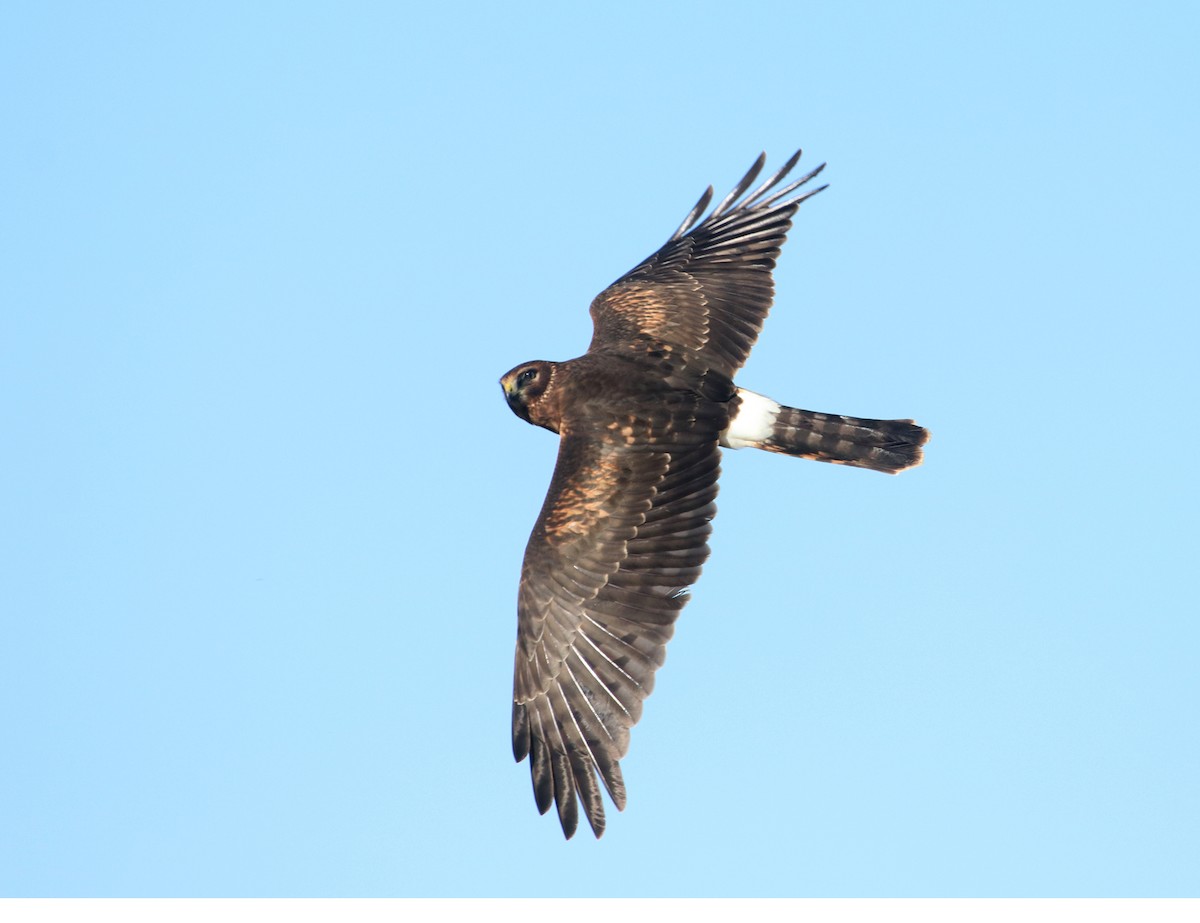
column 264, row 506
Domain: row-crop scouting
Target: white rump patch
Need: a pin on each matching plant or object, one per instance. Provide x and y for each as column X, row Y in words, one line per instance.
column 755, row 421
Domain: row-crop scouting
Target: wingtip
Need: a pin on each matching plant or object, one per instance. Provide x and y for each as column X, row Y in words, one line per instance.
column 520, row 731
column 694, row 214
column 597, row 824
column 568, row 814
column 803, row 197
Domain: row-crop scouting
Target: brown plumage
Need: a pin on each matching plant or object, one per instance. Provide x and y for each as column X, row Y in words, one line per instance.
column 624, row 529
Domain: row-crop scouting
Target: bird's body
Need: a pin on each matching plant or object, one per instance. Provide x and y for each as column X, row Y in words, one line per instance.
column 642, row 417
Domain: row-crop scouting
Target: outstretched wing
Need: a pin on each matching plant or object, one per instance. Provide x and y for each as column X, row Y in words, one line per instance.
column 709, row 288
column 623, row 533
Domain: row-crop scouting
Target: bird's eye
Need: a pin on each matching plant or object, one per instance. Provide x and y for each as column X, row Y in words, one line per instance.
column 526, row 376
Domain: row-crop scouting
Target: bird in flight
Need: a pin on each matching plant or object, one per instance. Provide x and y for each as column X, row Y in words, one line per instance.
column 642, row 417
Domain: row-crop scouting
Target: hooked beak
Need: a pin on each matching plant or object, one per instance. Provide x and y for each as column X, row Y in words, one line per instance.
column 509, row 384
column 515, row 404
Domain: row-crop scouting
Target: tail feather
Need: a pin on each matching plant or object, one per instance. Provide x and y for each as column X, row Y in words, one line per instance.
column 881, row 445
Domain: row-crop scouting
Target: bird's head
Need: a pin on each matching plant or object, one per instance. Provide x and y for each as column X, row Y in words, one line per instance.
column 524, row 387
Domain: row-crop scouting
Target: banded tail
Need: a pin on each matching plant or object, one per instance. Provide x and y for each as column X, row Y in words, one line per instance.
column 881, row 445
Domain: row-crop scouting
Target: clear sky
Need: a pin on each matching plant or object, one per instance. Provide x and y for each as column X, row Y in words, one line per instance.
column 264, row 506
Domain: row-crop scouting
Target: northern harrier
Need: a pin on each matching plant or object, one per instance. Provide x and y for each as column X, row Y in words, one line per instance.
column 642, row 416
